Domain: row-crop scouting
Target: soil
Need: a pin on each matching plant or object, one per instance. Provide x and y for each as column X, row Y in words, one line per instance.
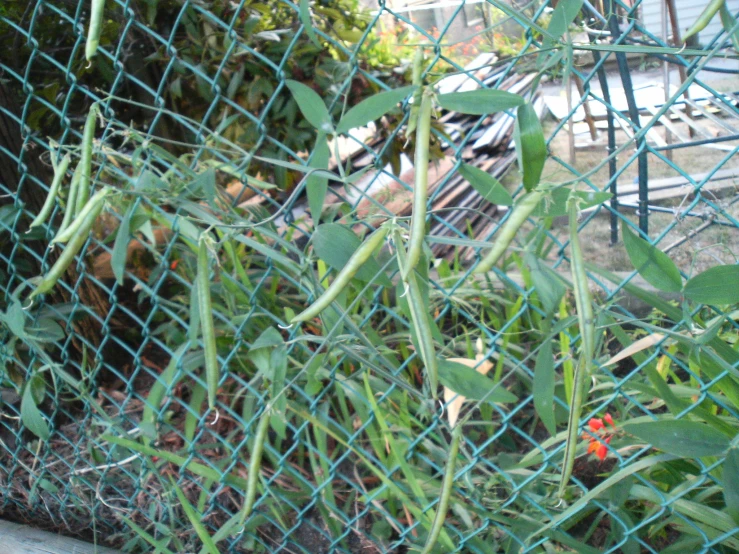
column 308, row 536
column 592, row 472
column 70, row 499
column 599, row 536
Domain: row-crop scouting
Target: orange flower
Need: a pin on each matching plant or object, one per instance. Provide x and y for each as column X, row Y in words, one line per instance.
column 595, row 425
column 599, row 436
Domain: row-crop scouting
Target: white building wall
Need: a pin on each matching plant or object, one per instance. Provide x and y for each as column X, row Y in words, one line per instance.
column 687, row 12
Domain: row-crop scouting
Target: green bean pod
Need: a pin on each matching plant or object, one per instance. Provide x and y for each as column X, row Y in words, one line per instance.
column 52, row 153
column 255, row 463
column 421, row 322
column 420, row 187
column 83, row 190
column 95, row 29
column 73, row 228
column 207, row 328
column 584, row 304
column 704, row 18
column 416, row 74
column 67, row 256
column 728, row 22
column 507, row 232
column 59, row 172
column 446, row 492
column 69, row 206
column 361, row 255
column 583, row 299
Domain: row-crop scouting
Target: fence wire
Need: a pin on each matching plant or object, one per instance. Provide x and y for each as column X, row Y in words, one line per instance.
column 104, row 395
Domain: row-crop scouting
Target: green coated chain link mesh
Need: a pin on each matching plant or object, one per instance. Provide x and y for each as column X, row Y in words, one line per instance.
column 104, row 411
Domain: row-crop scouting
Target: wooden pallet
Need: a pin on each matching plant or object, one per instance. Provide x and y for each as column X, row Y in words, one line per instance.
column 720, row 112
column 723, row 182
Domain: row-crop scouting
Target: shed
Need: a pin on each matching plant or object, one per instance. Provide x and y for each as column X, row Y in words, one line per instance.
column 687, row 12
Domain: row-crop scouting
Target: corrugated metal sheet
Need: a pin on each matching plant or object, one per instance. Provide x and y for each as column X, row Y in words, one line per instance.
column 687, row 12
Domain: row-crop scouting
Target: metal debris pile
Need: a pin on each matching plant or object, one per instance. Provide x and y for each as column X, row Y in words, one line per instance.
column 457, row 209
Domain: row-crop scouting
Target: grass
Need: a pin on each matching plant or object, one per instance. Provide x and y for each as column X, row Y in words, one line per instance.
column 713, row 245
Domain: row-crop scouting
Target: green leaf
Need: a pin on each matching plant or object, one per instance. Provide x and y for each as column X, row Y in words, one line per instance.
column 195, row 520
column 31, row 415
column 728, row 22
column 556, row 204
column 193, row 325
column 233, row 85
column 548, row 285
column 317, row 185
column 645, row 296
column 648, row 50
column 8, row 213
column 205, row 184
column 471, row 384
column 184, row 462
column 15, row 319
column 311, row 106
column 596, row 492
column 480, row 102
column 372, row 108
column 718, row 370
column 717, row 285
column 269, row 253
column 159, row 545
column 179, row 365
column 403, row 304
column 335, row 244
column 297, row 167
column 313, row 385
column 654, row 265
column 269, row 338
column 488, row 186
column 278, row 363
column 197, row 396
column 731, row 483
column 268, row 353
column 704, row 18
column 48, row 486
column 544, row 387
column 66, row 376
column 687, row 439
column 562, row 17
column 531, row 148
column 589, row 198
column 38, row 389
column 332, row 317
column 120, row 247
column 305, row 19
column 46, row 330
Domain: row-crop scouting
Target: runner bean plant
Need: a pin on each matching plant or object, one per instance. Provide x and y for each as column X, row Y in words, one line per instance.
column 332, row 366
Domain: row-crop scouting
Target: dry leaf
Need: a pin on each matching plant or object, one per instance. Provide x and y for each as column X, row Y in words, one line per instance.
column 453, row 400
column 638, row 346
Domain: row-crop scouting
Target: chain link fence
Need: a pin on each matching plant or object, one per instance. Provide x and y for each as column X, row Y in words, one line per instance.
column 106, row 431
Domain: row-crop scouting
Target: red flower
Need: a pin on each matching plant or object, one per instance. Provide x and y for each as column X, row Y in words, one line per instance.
column 595, row 425
column 599, row 436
